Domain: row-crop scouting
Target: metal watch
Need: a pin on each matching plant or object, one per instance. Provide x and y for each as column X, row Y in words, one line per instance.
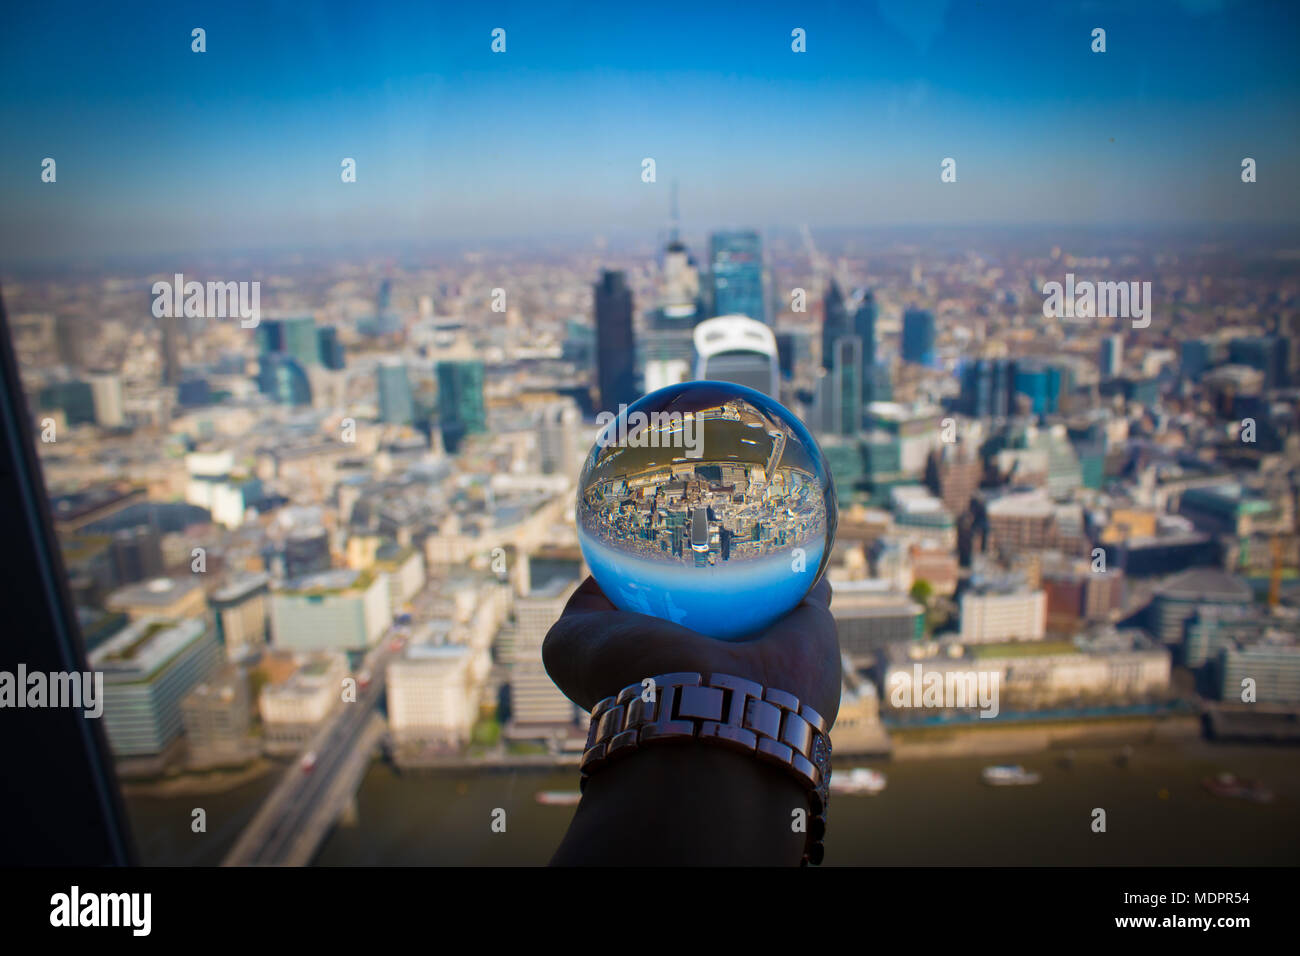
column 730, row 712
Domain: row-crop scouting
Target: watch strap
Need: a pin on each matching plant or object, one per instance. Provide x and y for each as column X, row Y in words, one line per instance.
column 732, row 712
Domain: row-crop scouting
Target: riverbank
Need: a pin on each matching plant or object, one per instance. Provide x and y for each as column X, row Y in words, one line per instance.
column 946, row 742
column 199, row 782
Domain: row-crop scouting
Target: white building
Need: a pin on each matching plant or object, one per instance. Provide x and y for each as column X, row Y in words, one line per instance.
column 240, row 608
column 995, row 616
column 557, row 439
column 535, row 700
column 736, row 348
column 334, row 610
column 433, row 695
column 107, row 392
column 292, row 711
column 405, row 572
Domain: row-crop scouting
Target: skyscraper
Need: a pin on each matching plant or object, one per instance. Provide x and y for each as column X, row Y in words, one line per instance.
column 736, row 348
column 1111, row 359
column 666, row 351
column 460, row 401
column 615, row 344
column 171, row 352
column 918, row 337
column 835, row 323
column 396, row 405
column 107, row 391
column 988, row 387
column 736, row 272
column 842, row 401
column 864, row 327
column 557, row 438
column 284, row 379
column 1041, row 383
column 331, row 350
column 294, row 337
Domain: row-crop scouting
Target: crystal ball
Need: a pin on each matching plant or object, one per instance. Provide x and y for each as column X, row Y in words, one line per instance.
column 707, row 504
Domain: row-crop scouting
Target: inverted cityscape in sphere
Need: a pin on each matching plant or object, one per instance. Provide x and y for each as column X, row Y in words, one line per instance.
column 709, row 505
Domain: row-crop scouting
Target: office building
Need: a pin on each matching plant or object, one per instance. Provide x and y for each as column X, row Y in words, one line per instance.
column 835, row 323
column 283, row 379
column 106, row 391
column 557, row 438
column 1002, row 611
column 461, row 406
column 330, row 348
column 396, row 403
column 136, row 554
column 615, row 343
column 240, row 609
column 871, row 615
column 217, row 716
column 1273, row 667
column 75, row 399
column 432, row 695
column 988, row 388
column 839, row 393
column 537, row 706
column 737, row 276
column 1111, row 358
column 1180, row 598
column 293, row 709
column 168, row 598
column 338, row 610
column 733, row 348
column 148, row 669
column 295, row 338
column 918, row 337
column 666, row 350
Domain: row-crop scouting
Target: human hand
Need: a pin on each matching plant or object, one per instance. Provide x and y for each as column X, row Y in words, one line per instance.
column 595, row 650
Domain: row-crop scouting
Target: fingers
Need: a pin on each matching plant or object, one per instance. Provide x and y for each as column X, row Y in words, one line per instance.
column 821, row 592
column 588, row 597
column 593, row 654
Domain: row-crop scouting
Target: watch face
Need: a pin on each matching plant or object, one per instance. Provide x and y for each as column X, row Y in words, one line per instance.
column 708, row 504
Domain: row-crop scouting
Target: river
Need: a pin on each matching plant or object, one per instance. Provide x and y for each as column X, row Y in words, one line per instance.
column 933, row 812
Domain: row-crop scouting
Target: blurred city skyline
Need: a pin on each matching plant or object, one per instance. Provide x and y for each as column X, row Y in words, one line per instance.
column 160, row 149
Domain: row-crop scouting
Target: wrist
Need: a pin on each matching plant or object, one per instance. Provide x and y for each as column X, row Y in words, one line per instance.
column 689, row 804
column 749, row 759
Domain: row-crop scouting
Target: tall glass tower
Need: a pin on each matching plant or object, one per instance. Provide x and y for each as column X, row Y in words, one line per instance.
column 736, row 272
column 396, row 404
column 918, row 337
column 615, row 345
column 460, row 401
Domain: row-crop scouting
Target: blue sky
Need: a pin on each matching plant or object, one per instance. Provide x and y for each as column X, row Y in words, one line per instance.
column 160, row 148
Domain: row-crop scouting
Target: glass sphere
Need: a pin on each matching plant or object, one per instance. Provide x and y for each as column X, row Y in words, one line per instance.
column 707, row 504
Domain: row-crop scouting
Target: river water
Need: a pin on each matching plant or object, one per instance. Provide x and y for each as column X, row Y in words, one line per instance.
column 933, row 812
